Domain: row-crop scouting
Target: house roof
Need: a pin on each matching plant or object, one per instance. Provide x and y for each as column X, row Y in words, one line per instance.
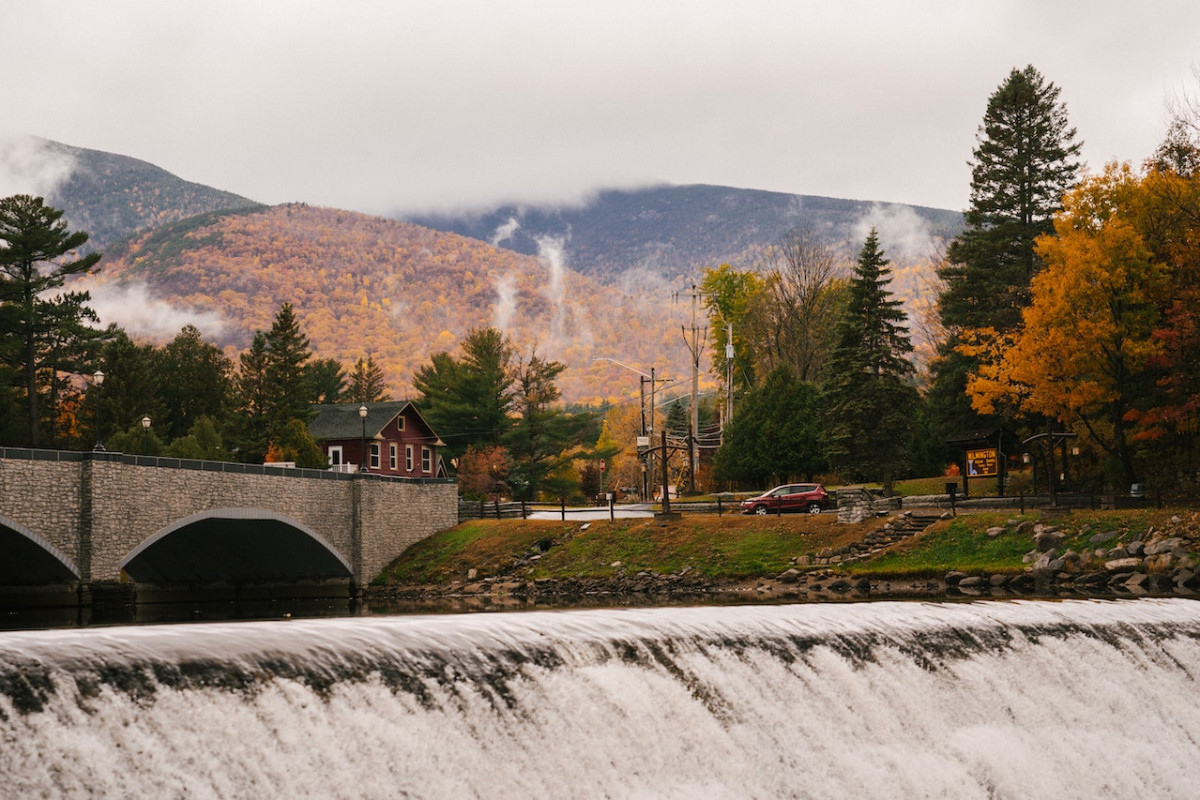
column 342, row 421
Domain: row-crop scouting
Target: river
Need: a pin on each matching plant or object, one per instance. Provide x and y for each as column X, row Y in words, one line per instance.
column 1020, row 699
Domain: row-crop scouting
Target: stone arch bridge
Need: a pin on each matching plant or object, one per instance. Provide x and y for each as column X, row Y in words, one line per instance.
column 90, row 518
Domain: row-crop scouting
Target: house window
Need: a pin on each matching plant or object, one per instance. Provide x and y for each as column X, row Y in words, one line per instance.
column 400, row 424
column 408, row 458
column 426, row 460
column 374, row 455
column 393, row 459
column 335, row 455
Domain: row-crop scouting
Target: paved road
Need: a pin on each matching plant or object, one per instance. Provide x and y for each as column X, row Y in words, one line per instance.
column 632, row 511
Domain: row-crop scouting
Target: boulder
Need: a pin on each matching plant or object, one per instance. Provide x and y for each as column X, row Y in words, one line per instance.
column 1122, row 564
column 953, row 577
column 1047, row 539
column 995, row 531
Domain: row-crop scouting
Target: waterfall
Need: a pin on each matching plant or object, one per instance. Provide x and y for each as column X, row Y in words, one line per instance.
column 1019, row 699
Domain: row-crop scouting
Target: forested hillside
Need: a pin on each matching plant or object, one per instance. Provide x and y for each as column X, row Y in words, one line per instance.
column 672, row 231
column 111, row 196
column 369, row 286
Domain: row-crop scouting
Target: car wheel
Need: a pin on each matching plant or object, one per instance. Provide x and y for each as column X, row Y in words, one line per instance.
column 760, row 511
column 814, row 508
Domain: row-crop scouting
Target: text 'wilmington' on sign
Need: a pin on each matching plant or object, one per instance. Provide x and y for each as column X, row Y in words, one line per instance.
column 981, row 462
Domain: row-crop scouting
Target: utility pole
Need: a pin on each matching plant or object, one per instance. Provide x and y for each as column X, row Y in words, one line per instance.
column 694, row 345
column 728, row 377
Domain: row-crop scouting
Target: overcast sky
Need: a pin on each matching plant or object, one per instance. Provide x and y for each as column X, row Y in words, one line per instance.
column 404, row 106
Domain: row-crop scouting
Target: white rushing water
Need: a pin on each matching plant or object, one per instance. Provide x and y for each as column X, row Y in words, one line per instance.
column 999, row 699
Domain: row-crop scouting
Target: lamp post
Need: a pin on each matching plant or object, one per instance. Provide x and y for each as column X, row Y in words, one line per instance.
column 146, row 435
column 362, row 414
column 98, row 377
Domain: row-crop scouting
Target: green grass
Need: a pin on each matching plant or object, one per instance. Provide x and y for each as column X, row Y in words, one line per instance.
column 641, row 546
column 735, row 547
column 963, row 544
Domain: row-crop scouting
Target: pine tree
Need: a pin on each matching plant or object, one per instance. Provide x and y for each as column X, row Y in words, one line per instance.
column 36, row 256
column 777, row 434
column 288, row 382
column 199, row 383
column 467, row 400
column 367, row 383
column 543, row 438
column 254, row 399
column 1025, row 160
column 868, row 401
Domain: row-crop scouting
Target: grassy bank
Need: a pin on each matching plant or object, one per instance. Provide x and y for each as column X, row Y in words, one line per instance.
column 734, row 547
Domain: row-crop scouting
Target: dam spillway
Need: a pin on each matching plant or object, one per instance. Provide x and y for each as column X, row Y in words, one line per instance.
column 988, row 699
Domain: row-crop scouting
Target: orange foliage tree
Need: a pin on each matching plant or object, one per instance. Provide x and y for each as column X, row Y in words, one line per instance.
column 1084, row 352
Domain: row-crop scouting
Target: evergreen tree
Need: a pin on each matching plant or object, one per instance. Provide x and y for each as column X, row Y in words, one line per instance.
column 71, row 348
column 776, row 435
column 202, row 442
column 289, row 385
column 367, row 383
column 543, row 438
column 253, row 401
column 197, row 381
column 36, row 256
column 678, row 423
column 869, row 403
column 1025, row 160
column 131, row 384
column 327, row 381
column 468, row 401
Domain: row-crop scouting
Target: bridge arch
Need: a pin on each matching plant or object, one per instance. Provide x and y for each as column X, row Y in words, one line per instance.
column 30, row 559
column 235, row 545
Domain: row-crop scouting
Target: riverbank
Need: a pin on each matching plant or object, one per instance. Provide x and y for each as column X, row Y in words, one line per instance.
column 921, row 554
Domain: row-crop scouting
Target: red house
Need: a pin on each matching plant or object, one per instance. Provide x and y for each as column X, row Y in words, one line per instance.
column 397, row 439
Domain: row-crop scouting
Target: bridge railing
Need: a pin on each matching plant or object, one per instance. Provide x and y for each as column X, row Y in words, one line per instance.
column 32, row 454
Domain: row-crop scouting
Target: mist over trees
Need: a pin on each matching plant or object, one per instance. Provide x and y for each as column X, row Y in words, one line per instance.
column 1067, row 305
column 41, row 332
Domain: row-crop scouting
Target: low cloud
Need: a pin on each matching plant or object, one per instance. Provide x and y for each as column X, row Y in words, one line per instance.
column 141, row 315
column 903, row 235
column 506, row 302
column 29, row 166
column 504, row 232
column 552, row 250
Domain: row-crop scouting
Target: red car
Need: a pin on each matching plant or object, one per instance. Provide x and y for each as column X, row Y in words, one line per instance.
column 808, row 497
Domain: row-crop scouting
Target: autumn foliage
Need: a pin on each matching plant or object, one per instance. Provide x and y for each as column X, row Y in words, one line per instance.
column 370, row 287
column 1108, row 346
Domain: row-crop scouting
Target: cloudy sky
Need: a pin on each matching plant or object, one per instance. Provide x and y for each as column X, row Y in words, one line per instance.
column 385, row 106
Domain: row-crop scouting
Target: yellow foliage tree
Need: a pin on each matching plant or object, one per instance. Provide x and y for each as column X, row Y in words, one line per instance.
column 1087, row 337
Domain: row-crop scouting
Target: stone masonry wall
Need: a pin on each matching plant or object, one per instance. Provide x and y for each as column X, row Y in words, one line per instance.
column 43, row 496
column 97, row 508
column 399, row 515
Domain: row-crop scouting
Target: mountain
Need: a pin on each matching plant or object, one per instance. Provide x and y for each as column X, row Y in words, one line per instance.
column 365, row 285
column 110, row 196
column 600, row 280
column 673, row 231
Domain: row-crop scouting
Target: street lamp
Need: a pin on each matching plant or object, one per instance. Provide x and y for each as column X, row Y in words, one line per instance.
column 146, row 435
column 98, row 377
column 362, row 414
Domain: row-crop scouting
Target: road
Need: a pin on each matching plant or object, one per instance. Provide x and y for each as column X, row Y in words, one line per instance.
column 631, row 511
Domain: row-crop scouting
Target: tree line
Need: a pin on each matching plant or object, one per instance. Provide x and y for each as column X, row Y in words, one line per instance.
column 67, row 383
column 1067, row 310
